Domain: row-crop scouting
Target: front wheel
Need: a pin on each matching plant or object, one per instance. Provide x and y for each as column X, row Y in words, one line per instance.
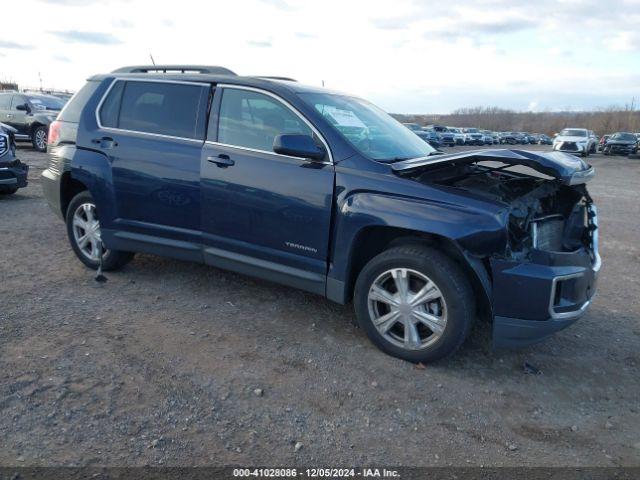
column 414, row 303
column 83, row 229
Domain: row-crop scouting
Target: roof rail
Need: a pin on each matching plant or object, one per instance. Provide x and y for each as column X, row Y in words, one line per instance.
column 267, row 77
column 175, row 68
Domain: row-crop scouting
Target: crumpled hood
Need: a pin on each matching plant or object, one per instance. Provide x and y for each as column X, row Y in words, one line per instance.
column 570, row 169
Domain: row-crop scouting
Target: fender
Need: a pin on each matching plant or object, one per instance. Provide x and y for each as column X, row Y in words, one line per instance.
column 92, row 168
column 474, row 232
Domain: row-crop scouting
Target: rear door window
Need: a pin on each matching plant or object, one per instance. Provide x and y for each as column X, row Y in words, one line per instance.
column 163, row 108
column 72, row 110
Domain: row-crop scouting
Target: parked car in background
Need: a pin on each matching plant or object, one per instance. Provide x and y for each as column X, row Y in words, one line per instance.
column 181, row 165
column 13, row 173
column 30, row 114
column 507, row 138
column 530, row 138
column 602, row 142
column 429, row 136
column 487, row 137
column 621, row 143
column 414, row 127
column 458, row 136
column 473, row 136
column 447, row 138
column 593, row 142
column 544, row 139
column 574, row 140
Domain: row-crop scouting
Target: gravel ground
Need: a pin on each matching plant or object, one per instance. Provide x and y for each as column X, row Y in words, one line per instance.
column 172, row 363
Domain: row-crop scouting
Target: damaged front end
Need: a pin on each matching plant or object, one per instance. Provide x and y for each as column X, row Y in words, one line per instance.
column 545, row 277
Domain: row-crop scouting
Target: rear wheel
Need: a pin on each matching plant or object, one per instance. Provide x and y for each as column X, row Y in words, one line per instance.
column 8, row 190
column 83, row 229
column 39, row 139
column 414, row 303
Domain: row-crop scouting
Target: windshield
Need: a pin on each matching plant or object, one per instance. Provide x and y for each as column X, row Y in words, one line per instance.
column 573, row 132
column 627, row 137
column 46, row 103
column 370, row 130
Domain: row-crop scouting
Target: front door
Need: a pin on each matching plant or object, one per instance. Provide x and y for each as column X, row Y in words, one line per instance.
column 263, row 213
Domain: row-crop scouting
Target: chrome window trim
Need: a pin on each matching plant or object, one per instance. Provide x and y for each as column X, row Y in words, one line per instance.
column 157, row 135
column 257, row 150
column 286, row 104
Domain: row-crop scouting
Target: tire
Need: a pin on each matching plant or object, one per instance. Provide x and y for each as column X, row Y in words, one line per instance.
column 8, row 190
column 39, row 138
column 454, row 307
column 111, row 259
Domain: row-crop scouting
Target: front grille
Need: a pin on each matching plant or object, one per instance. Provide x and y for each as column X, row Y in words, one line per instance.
column 569, row 146
column 4, row 144
column 621, row 148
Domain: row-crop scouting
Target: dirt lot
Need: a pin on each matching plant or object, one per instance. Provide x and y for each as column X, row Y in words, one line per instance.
column 161, row 365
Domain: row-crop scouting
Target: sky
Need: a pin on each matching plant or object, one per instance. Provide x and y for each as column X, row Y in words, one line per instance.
column 407, row 56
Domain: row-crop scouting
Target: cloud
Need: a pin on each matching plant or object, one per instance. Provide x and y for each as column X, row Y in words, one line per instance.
column 95, row 38
column 391, row 23
column 624, row 42
column 259, row 43
column 305, row 35
column 281, row 4
column 71, row 2
column 62, row 58
column 122, row 23
column 14, row 45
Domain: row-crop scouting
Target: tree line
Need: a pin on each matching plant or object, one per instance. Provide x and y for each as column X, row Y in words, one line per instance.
column 602, row 121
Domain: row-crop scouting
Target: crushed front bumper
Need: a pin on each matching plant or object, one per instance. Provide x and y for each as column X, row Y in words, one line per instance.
column 13, row 174
column 534, row 299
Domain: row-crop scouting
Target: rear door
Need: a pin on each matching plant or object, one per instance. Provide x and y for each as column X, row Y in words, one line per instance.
column 264, row 214
column 153, row 132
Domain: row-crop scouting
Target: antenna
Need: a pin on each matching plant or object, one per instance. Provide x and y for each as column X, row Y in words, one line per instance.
column 152, row 60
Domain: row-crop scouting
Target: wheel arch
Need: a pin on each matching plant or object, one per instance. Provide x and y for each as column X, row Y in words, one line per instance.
column 373, row 240
column 69, row 188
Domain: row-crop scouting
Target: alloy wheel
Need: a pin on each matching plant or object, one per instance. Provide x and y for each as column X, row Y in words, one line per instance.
column 86, row 232
column 407, row 308
column 41, row 139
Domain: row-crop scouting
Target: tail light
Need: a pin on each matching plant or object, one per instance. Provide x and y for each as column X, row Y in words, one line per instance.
column 54, row 132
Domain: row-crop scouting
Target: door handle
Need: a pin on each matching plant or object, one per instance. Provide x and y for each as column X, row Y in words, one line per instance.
column 105, row 142
column 222, row 160
column 9, row 115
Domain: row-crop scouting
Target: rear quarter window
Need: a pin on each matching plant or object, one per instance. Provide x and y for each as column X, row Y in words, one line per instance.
column 72, row 110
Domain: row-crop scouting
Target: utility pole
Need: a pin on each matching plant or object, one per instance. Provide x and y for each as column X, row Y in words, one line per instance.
column 40, row 78
column 152, row 60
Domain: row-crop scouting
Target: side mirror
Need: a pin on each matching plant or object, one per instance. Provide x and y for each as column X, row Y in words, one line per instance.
column 24, row 107
column 296, row 145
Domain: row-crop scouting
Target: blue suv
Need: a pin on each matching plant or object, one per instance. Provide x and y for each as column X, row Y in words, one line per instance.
column 327, row 193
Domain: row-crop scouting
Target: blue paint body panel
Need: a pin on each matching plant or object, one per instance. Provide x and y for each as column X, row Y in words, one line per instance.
column 293, row 220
